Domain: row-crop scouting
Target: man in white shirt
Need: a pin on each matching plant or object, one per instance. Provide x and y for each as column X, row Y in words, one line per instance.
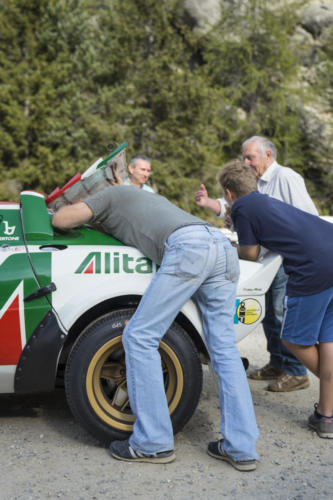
column 279, row 182
column 287, row 373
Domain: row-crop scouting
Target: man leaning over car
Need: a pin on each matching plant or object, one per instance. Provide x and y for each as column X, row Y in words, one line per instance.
column 197, row 260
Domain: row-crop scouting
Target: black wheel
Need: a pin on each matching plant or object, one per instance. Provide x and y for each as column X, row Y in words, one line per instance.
column 95, row 377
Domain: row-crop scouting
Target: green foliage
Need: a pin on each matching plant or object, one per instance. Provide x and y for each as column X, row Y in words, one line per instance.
column 249, row 55
column 48, row 122
column 76, row 75
column 164, row 106
column 320, row 159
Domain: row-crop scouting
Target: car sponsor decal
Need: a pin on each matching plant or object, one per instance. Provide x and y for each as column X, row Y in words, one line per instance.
column 248, row 311
column 114, row 263
column 19, row 319
column 12, row 328
column 10, row 230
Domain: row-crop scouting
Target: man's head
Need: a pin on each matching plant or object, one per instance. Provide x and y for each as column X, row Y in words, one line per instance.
column 259, row 153
column 237, row 179
column 139, row 170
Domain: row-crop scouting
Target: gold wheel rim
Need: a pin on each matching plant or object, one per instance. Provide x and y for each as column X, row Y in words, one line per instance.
column 106, row 383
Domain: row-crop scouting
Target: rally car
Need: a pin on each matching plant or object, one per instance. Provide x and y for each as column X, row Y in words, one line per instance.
column 65, row 298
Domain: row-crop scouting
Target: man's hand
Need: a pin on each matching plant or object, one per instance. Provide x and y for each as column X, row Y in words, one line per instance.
column 202, row 200
column 201, row 196
column 117, row 180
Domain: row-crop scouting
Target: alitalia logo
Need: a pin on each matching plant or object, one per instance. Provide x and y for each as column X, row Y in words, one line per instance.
column 114, row 263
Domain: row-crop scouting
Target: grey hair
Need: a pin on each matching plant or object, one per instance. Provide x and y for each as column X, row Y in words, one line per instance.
column 134, row 159
column 263, row 143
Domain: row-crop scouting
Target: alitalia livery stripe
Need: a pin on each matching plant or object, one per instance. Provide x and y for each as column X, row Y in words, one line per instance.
column 12, row 328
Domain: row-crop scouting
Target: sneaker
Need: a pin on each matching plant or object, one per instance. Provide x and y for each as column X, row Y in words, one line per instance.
column 288, row 383
column 216, row 450
column 121, row 450
column 322, row 425
column 267, row 372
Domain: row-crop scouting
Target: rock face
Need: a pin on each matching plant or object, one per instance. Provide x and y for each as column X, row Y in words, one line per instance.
column 317, row 16
column 202, row 15
column 316, row 19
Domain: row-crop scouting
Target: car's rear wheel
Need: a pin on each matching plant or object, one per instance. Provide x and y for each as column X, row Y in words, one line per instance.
column 95, row 378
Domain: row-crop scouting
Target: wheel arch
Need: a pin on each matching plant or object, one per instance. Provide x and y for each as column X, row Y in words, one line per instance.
column 126, row 302
column 37, row 366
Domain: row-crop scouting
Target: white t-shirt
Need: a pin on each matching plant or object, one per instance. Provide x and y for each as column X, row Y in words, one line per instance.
column 145, row 187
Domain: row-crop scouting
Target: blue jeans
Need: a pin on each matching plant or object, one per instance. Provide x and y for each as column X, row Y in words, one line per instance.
column 198, row 260
column 280, row 356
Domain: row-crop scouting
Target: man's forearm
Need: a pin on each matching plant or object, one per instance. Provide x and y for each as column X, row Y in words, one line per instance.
column 248, row 252
column 213, row 205
column 72, row 216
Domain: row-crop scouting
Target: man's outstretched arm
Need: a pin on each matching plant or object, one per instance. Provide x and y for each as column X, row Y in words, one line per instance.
column 72, row 215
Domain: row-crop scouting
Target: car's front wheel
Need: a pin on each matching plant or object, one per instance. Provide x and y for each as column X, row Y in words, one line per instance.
column 95, row 378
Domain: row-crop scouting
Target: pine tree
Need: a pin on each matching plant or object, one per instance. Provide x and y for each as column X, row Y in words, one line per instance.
column 49, row 123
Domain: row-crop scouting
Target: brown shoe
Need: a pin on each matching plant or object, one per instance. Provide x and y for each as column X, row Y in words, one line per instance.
column 288, row 383
column 267, row 372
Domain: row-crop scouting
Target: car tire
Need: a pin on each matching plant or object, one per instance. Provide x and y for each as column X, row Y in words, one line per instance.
column 95, row 377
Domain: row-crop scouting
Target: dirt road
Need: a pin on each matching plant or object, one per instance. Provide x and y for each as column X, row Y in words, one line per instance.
column 45, row 454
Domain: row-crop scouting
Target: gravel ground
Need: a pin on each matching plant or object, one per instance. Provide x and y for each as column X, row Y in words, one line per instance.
column 45, row 453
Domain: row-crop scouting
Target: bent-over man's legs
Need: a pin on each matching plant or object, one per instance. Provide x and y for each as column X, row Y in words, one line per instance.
column 190, row 258
column 182, row 271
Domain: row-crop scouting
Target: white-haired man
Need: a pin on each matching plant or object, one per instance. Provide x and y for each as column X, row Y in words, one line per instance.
column 283, row 183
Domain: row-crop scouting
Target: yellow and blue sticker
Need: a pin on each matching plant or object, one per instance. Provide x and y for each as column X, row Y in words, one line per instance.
column 248, row 311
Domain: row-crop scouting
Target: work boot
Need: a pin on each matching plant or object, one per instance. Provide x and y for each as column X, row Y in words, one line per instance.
column 288, row 383
column 267, row 372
